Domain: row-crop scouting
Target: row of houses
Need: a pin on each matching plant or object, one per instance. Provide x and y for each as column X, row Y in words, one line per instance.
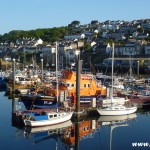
column 67, row 50
column 136, row 42
column 118, row 30
column 131, row 47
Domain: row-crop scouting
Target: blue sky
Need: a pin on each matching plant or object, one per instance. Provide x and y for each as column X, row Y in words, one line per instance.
column 33, row 14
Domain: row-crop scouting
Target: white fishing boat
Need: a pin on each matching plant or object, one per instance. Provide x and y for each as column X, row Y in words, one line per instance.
column 46, row 118
column 114, row 109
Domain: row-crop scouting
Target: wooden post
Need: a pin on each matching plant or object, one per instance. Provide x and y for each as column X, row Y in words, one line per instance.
column 78, row 74
column 13, row 87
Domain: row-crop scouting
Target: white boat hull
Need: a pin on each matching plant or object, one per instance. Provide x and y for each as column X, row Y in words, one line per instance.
column 48, row 122
column 111, row 112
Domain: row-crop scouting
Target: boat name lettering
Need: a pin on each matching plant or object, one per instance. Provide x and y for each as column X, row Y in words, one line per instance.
column 46, row 102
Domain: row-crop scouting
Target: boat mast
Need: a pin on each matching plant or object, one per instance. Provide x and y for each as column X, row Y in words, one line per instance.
column 130, row 71
column 112, row 71
column 56, row 74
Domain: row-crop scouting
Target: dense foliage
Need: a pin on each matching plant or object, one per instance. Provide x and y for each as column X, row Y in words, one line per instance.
column 47, row 35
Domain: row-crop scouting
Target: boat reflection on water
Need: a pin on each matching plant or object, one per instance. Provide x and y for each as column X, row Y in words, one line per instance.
column 84, row 129
column 115, row 122
column 69, row 135
column 116, row 119
column 64, row 133
column 38, row 134
column 50, row 129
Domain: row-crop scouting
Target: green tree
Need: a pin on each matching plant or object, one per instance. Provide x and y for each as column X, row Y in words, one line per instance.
column 87, row 47
column 75, row 23
column 47, row 34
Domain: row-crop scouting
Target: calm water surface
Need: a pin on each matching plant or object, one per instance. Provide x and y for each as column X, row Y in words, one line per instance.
column 102, row 134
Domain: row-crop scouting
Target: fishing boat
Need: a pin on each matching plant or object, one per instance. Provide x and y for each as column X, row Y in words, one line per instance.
column 89, row 87
column 66, row 90
column 139, row 98
column 37, row 100
column 115, row 109
column 46, row 118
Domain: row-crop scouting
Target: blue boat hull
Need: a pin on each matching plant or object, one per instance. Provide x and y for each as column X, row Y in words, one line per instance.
column 40, row 103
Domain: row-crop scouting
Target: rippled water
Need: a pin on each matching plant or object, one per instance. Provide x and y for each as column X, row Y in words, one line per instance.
column 104, row 133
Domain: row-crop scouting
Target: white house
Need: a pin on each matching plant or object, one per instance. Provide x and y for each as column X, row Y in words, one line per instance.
column 127, row 50
column 70, row 55
column 115, row 35
column 108, row 49
column 145, row 25
column 72, row 37
column 38, row 42
column 108, row 27
column 93, row 43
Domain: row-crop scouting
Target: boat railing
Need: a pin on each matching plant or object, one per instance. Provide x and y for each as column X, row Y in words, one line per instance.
column 87, row 76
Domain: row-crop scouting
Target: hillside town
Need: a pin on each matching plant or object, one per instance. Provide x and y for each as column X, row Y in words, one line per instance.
column 95, row 39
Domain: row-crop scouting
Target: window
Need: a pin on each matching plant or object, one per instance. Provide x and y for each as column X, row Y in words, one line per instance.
column 88, row 85
column 51, row 116
column 84, row 129
column 85, row 85
column 55, row 115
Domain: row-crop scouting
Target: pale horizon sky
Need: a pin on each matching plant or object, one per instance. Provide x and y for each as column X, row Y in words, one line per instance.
column 34, row 14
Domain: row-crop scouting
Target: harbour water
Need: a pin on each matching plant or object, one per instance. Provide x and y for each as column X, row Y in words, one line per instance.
column 105, row 133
